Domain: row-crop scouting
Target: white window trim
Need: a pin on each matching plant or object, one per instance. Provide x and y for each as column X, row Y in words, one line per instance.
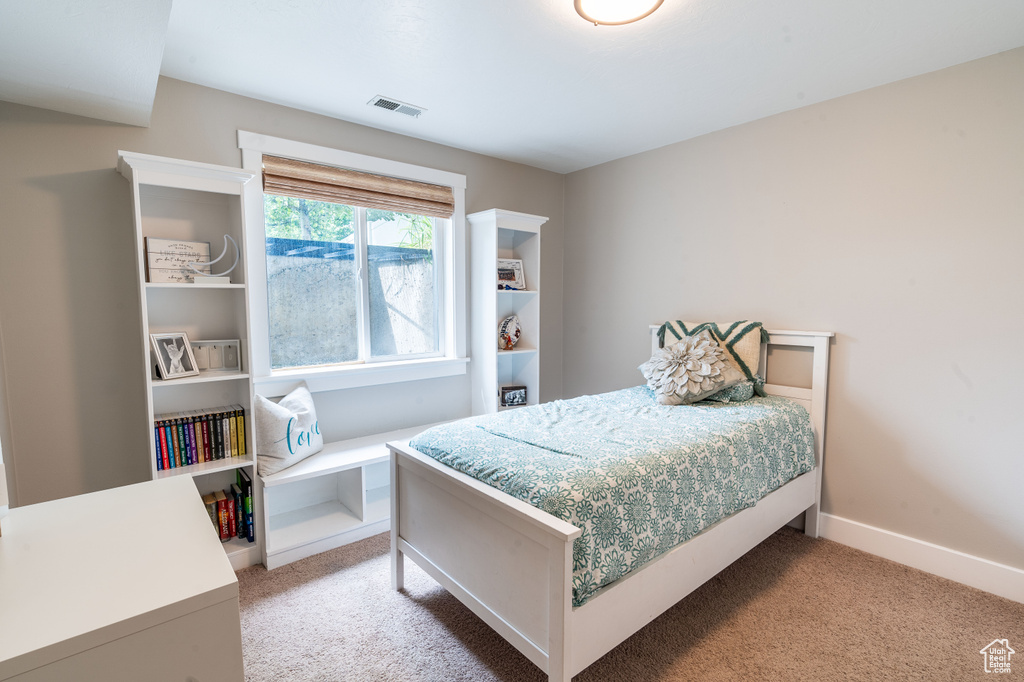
column 278, row 382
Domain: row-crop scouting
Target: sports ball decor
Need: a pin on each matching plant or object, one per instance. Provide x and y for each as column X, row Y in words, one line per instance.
column 508, row 333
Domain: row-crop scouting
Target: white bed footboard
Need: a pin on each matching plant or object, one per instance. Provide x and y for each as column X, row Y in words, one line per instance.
column 509, row 562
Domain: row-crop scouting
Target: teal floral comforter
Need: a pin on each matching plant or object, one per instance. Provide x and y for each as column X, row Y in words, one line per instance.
column 637, row 477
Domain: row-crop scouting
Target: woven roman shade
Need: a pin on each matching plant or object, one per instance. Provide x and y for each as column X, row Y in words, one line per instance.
column 291, row 178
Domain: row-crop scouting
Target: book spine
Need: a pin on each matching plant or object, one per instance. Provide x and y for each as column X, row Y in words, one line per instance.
column 198, row 428
column 186, row 428
column 232, row 514
column 207, row 452
column 179, row 444
column 225, row 435
column 233, row 426
column 241, row 431
column 164, row 459
column 156, row 433
column 193, row 447
column 222, row 515
column 169, row 446
column 246, row 484
column 236, row 493
column 196, row 433
column 218, row 436
column 210, row 500
column 190, row 432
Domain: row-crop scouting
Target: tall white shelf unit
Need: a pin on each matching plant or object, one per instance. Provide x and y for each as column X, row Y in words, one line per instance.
column 174, row 199
column 495, row 234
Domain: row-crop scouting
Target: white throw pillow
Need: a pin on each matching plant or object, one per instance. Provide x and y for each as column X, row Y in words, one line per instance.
column 287, row 432
column 690, row 370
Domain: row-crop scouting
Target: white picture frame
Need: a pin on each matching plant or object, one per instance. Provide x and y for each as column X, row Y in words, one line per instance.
column 510, row 274
column 174, row 358
column 222, row 355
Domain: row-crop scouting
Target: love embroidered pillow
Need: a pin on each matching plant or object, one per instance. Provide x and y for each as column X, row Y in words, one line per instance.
column 287, row 432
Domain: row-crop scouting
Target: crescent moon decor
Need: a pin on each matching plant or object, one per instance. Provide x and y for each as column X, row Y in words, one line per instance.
column 222, row 276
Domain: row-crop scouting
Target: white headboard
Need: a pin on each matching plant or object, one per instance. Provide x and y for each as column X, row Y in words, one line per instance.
column 813, row 398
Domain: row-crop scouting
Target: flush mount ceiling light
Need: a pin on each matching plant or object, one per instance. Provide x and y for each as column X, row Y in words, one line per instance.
column 615, row 12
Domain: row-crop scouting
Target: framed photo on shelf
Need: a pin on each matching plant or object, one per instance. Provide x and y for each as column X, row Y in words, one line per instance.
column 174, row 358
column 513, row 396
column 217, row 356
column 510, row 274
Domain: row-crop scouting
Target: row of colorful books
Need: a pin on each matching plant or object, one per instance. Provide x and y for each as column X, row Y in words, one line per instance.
column 231, row 509
column 194, row 436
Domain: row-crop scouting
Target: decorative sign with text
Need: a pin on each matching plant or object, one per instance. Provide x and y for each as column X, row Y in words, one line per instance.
column 167, row 260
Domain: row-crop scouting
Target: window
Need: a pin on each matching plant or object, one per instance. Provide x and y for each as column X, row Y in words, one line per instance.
column 321, row 312
column 351, row 287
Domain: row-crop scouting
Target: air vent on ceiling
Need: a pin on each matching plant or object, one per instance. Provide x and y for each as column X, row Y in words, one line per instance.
column 396, row 106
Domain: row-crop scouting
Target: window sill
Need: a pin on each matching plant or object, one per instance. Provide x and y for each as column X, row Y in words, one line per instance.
column 354, row 376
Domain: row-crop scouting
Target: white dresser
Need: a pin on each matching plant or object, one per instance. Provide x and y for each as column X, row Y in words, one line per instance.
column 124, row 584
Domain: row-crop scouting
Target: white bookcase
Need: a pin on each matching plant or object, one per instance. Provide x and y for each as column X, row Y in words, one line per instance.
column 495, row 234
column 183, row 200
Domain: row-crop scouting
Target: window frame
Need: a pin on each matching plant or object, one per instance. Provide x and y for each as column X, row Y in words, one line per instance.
column 449, row 243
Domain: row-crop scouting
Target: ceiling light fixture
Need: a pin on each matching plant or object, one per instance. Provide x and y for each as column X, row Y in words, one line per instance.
column 615, row 12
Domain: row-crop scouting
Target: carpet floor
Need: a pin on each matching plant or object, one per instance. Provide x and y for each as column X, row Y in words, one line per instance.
column 791, row 609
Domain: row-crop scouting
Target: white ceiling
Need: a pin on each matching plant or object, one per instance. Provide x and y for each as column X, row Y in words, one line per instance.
column 95, row 58
column 524, row 80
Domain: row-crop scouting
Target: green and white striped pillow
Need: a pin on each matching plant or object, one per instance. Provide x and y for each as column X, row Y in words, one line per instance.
column 742, row 340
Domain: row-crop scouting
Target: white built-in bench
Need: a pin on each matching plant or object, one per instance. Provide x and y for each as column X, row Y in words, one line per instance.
column 335, row 497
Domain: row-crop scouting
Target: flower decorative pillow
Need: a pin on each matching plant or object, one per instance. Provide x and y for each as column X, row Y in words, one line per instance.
column 741, row 340
column 287, row 432
column 690, row 370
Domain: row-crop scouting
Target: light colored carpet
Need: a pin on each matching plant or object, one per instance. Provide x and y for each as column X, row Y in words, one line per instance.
column 791, row 609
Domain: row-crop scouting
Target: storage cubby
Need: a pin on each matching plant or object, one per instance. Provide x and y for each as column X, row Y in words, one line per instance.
column 309, row 510
column 203, row 312
column 194, row 215
column 337, row 496
column 222, row 480
column 498, row 234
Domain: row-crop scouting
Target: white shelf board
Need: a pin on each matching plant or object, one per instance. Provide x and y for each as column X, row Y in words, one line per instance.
column 207, row 467
column 517, row 292
column 309, row 524
column 241, row 553
column 341, row 455
column 378, row 504
column 517, row 351
column 502, row 408
column 204, row 377
column 192, row 287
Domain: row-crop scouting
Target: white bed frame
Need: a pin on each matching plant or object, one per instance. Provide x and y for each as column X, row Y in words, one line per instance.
column 511, row 563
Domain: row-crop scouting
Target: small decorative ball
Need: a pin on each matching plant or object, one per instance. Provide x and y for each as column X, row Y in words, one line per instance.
column 508, row 333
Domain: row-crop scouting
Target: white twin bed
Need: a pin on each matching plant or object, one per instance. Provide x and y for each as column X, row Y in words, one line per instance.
column 512, row 564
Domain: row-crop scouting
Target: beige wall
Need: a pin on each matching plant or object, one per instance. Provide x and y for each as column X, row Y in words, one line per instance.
column 893, row 217
column 68, row 301
column 5, row 435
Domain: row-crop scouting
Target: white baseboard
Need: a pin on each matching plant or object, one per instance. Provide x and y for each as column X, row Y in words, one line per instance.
column 999, row 579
